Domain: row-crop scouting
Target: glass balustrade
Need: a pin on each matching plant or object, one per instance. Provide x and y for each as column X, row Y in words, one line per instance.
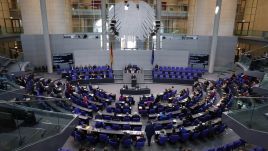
column 26, row 119
column 251, row 112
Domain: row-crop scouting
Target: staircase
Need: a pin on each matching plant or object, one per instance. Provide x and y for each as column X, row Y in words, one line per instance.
column 148, row 77
column 118, row 76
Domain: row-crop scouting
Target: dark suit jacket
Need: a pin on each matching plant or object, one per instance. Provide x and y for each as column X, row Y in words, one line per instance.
column 149, row 130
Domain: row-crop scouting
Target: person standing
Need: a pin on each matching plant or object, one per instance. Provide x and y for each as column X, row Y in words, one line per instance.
column 150, row 131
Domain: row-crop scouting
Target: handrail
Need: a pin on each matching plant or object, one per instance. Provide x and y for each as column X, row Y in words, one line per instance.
column 249, row 97
column 255, row 49
column 43, row 97
column 7, row 58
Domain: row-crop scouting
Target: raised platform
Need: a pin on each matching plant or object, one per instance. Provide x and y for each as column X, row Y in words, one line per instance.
column 134, row 91
column 93, row 81
column 177, row 81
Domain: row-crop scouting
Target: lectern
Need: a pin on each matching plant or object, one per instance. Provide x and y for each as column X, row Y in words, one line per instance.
column 133, row 81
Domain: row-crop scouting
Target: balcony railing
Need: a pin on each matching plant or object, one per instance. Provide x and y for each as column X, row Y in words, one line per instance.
column 28, row 120
column 248, row 118
column 86, row 12
column 180, row 14
column 251, row 112
column 253, row 33
column 94, row 12
column 10, row 30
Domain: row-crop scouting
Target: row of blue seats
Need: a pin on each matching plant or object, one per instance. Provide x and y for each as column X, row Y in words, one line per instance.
column 192, row 73
column 167, row 95
column 168, row 68
column 157, row 109
column 230, row 146
column 174, row 138
column 105, row 139
column 78, row 111
column 88, row 77
column 166, row 76
column 89, row 68
column 133, row 118
column 117, row 126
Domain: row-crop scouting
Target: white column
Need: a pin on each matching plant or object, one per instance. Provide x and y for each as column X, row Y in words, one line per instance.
column 103, row 25
column 59, row 16
column 214, row 42
column 203, row 15
column 46, row 35
column 228, row 14
column 158, row 17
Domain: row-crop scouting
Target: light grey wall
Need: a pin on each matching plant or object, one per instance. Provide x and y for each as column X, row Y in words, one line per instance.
column 200, row 45
column 173, row 51
column 225, row 49
column 141, row 58
column 33, row 46
column 225, row 52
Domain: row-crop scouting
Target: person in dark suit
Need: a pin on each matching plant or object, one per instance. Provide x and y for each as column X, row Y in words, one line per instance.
column 125, row 137
column 150, row 131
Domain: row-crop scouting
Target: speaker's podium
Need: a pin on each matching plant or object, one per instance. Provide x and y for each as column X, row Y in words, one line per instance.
column 139, row 76
column 133, row 81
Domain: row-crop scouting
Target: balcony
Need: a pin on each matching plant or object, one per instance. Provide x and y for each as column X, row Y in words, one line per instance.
column 175, row 14
column 97, row 12
column 252, row 36
column 249, row 119
column 86, row 12
column 29, row 122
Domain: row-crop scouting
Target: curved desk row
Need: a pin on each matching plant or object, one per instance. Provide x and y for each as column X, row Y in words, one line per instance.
column 134, row 91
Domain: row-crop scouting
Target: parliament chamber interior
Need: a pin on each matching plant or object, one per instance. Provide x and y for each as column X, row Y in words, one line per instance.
column 135, row 75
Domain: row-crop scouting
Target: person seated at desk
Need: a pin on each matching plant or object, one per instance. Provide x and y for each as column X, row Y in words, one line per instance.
column 161, row 134
column 143, row 98
column 200, row 127
column 152, row 97
column 173, row 131
column 185, row 110
column 125, row 137
column 115, row 117
column 162, row 116
column 130, row 100
column 136, row 115
column 85, row 100
column 182, row 130
column 122, row 98
column 158, row 98
column 188, row 120
column 116, row 139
